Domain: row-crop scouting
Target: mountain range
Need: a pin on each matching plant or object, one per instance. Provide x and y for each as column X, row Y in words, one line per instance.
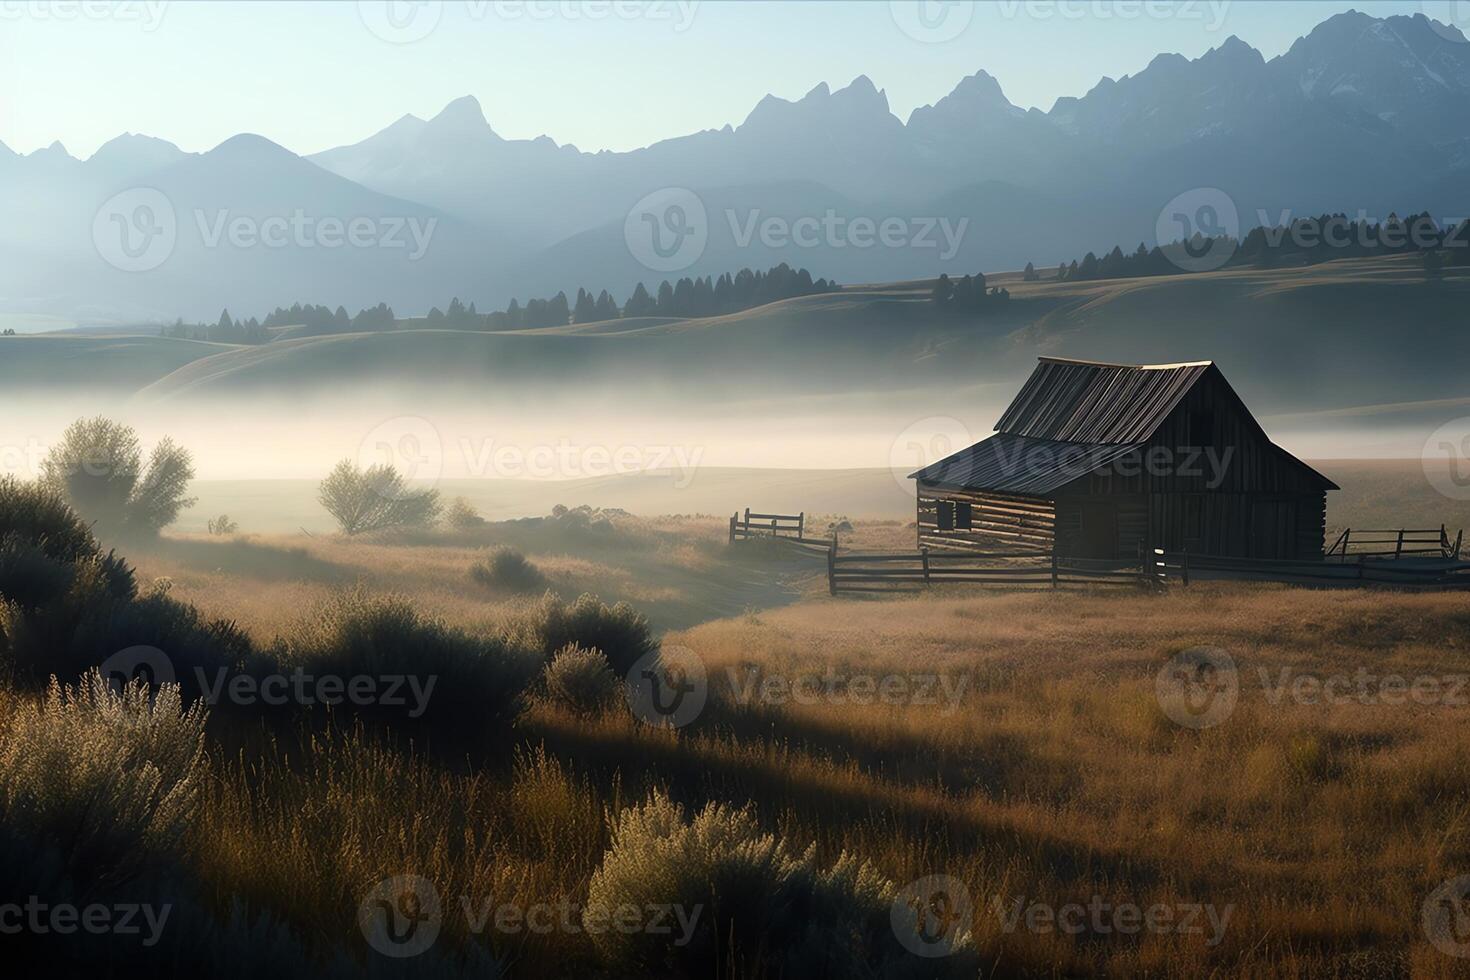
column 1363, row 113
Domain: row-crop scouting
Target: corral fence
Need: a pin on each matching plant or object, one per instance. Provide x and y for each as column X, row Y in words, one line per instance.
column 783, row 528
column 1430, row 570
column 1395, row 543
column 909, row 572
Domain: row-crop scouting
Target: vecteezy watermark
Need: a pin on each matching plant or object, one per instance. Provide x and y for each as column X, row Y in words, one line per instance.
column 924, row 444
column 23, row 459
column 135, row 230
column 148, row 14
column 1359, row 231
column 1446, row 917
column 565, row 459
column 829, row 687
column 309, row 690
column 667, row 688
column 1198, row 687
column 137, row 663
column 402, row 916
column 833, row 230
column 1363, row 687
column 1211, row 13
column 407, row 21
column 1198, row 230
column 668, row 230
column 1446, row 459
column 1450, row 19
column 301, row 229
column 932, row 21
column 412, row 446
column 38, row 917
column 933, row 915
column 1100, row 917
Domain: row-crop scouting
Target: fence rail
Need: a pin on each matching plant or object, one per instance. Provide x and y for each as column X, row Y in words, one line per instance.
column 909, row 572
column 1396, row 543
column 1428, row 571
column 789, row 528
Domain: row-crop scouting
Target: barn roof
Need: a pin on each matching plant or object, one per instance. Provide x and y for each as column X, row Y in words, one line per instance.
column 1085, row 401
column 1070, row 418
column 1007, row 463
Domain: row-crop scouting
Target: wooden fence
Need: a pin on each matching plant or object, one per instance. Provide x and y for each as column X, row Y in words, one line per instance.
column 789, row 528
column 909, row 572
column 1427, row 571
column 1395, row 543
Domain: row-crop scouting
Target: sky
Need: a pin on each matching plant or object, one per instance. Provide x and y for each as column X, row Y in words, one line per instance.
column 602, row 74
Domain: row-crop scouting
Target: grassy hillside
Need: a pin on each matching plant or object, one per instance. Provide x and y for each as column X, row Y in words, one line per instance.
column 1359, row 343
column 114, row 362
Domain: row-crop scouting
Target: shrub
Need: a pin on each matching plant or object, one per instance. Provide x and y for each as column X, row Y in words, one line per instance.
column 580, row 680
column 108, row 777
column 466, row 681
column 98, row 468
column 375, row 498
column 764, row 911
column 507, row 568
column 222, row 525
column 462, row 515
column 621, row 632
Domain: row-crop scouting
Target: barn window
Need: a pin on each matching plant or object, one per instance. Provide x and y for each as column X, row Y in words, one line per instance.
column 1201, row 428
column 962, row 515
column 946, row 515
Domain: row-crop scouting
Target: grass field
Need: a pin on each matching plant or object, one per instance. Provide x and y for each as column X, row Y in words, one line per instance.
column 1015, row 744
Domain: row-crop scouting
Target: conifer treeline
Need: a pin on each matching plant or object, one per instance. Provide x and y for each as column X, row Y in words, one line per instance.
column 1303, row 241
column 686, row 298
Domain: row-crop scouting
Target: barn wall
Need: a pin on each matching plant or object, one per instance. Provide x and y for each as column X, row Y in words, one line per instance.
column 1123, row 530
column 1000, row 522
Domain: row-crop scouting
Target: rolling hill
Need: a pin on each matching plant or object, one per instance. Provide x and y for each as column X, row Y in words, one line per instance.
column 1331, row 338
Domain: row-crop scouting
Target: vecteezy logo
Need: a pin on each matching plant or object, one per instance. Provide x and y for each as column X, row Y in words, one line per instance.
column 400, row 21
column 933, row 915
column 1447, row 917
column 148, row 664
column 409, row 444
column 136, row 230
column 1198, row 687
column 1446, row 459
column 932, row 21
column 1199, row 230
column 668, row 688
column 1450, row 19
column 401, row 916
column 668, row 230
column 924, row 443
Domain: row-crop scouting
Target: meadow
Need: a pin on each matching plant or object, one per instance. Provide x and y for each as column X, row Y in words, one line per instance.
column 1006, row 760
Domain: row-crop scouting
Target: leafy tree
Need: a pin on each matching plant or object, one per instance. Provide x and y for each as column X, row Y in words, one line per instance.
column 1029, row 275
column 375, row 498
column 98, row 468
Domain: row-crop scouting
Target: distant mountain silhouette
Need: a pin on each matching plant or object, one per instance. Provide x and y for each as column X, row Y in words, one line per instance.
column 1363, row 112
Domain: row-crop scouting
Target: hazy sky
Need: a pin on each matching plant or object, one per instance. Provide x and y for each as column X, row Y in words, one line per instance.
column 603, row 75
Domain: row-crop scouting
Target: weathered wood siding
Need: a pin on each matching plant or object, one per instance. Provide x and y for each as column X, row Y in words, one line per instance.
column 999, row 522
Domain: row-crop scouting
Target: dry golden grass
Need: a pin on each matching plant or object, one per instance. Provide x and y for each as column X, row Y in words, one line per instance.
column 1051, row 775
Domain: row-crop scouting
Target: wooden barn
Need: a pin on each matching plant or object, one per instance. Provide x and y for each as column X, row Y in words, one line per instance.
column 1099, row 460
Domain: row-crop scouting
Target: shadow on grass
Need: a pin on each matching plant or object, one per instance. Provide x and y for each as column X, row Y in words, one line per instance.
column 241, row 556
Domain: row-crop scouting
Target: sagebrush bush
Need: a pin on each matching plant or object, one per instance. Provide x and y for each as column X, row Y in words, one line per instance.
column 508, row 568
column 580, row 680
column 622, row 633
column 476, row 680
column 375, row 499
column 763, row 910
column 108, row 778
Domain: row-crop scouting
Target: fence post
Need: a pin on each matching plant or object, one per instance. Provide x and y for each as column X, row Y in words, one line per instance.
column 1458, row 539
column 925, row 553
column 801, row 525
column 1184, row 560
column 1054, row 567
column 1399, row 548
column 1346, row 534
column 832, row 566
column 733, row 518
